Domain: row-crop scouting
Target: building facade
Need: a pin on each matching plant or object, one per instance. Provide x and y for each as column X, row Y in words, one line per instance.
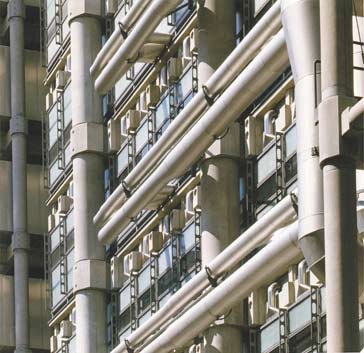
column 181, row 176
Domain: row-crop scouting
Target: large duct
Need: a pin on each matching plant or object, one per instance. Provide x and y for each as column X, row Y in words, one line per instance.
column 267, row 26
column 257, row 235
column 301, row 24
column 129, row 51
column 18, row 131
column 254, row 273
column 266, row 66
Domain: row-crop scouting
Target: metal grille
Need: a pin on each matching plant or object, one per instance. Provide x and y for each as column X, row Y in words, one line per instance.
column 316, row 332
column 172, row 102
column 131, row 153
column 151, row 127
column 194, row 73
column 153, row 283
column 133, row 302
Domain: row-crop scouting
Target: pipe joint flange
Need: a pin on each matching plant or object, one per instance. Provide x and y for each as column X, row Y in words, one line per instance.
column 18, row 125
column 20, row 241
column 126, row 189
column 129, row 348
column 16, row 8
column 211, row 278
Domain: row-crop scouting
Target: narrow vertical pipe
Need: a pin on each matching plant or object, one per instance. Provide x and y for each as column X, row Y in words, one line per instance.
column 220, row 221
column 88, row 187
column 18, row 131
column 339, row 177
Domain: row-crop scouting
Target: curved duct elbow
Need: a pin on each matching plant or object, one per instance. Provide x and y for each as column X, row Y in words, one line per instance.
column 301, row 25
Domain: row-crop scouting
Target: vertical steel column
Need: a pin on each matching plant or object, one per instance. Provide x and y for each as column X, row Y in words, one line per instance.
column 220, row 221
column 18, row 131
column 339, row 177
column 88, row 166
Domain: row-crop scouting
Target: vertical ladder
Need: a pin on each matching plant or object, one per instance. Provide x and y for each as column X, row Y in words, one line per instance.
column 60, row 130
column 58, row 21
column 250, row 191
column 194, row 73
column 131, row 153
column 172, row 102
column 153, row 283
column 283, row 331
column 280, row 193
column 62, row 249
column 133, row 302
column 175, row 264
column 315, row 319
column 43, row 32
column 114, row 319
column 198, row 260
column 151, row 127
column 45, row 151
column 47, row 266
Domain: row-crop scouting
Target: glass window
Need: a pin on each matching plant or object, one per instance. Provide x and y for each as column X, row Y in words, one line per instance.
column 124, row 298
column 184, row 86
column 266, row 164
column 67, row 109
column 165, row 283
column 141, row 137
column 144, row 279
column 70, row 221
column 70, row 263
column 55, row 238
column 124, row 320
column 67, row 155
column 291, row 141
column 145, row 317
column 56, row 286
column 299, row 315
column 122, row 159
column 52, row 123
column 51, row 10
column 187, row 239
column 162, row 112
column 269, row 336
column 144, row 301
column 54, row 173
column 165, row 260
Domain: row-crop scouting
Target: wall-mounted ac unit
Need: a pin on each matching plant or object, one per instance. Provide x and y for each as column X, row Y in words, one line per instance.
column 153, row 95
column 132, row 121
column 113, row 135
column 155, row 242
column 177, row 220
column 193, row 200
column 174, row 69
column 53, row 344
column 133, row 262
column 49, row 100
column 272, row 299
column 61, row 79
column 284, row 118
column 194, row 41
column 64, row 204
column 253, row 136
column 51, row 222
column 286, row 295
column 65, row 329
column 110, row 7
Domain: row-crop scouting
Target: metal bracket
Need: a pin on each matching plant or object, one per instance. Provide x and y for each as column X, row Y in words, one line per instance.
column 18, row 125
column 90, row 274
column 20, row 241
column 210, row 99
column 211, row 278
column 123, row 31
column 126, row 189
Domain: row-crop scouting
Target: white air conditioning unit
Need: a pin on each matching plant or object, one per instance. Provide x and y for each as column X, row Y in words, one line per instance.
column 113, row 135
column 49, row 100
column 155, row 241
column 194, row 41
column 284, row 118
column 153, row 95
column 133, row 262
column 177, row 220
column 193, row 200
column 61, row 79
column 174, row 69
column 272, row 299
column 116, row 272
column 66, row 329
column 360, row 219
column 286, row 296
column 132, row 121
column 186, row 52
column 64, row 204
column 110, row 7
column 51, row 222
column 68, row 63
column 53, row 344
column 253, row 136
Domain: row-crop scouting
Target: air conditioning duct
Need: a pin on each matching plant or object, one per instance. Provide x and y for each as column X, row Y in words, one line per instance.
column 153, row 95
column 177, row 220
column 174, row 69
column 133, row 262
column 155, row 242
column 61, row 79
